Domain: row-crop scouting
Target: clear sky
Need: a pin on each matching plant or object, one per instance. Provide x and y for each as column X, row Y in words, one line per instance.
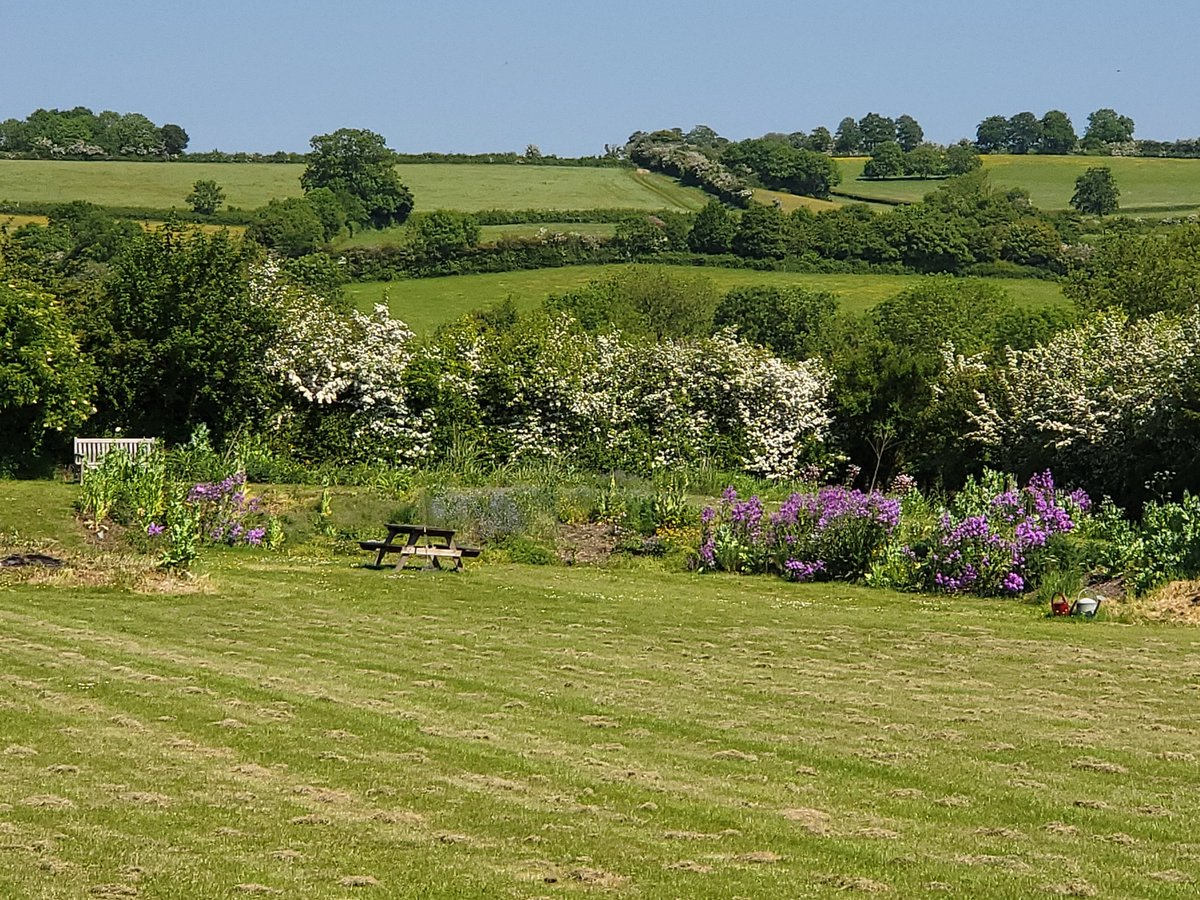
column 573, row 75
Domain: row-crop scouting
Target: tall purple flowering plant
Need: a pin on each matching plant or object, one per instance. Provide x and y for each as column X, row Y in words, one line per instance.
column 994, row 545
column 832, row 533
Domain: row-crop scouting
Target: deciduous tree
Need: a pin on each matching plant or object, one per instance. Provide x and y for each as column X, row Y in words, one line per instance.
column 206, row 197
column 356, row 163
column 1096, row 192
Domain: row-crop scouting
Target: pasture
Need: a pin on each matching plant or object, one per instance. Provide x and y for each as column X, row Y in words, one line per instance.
column 296, row 725
column 248, row 185
column 1147, row 185
column 426, row 303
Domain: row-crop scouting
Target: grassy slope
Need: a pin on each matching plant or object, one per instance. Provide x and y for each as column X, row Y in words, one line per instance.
column 464, row 187
column 1165, row 184
column 428, row 302
column 520, row 732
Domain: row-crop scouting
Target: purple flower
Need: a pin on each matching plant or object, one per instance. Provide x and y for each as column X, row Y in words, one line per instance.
column 255, row 536
column 154, row 529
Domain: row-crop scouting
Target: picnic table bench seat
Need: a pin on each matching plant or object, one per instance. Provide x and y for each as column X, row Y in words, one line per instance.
column 422, row 541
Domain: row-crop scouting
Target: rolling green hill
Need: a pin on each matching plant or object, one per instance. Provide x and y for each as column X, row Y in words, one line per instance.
column 1147, row 185
column 248, row 185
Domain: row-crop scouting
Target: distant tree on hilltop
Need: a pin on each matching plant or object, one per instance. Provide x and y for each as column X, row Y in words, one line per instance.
column 359, row 168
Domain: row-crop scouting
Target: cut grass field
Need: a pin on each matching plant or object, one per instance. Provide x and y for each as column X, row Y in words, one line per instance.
column 249, row 185
column 1147, row 185
column 425, row 303
column 299, row 726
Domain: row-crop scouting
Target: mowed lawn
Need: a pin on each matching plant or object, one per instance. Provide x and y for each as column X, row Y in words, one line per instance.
column 249, row 185
column 300, row 726
column 425, row 303
column 1146, row 185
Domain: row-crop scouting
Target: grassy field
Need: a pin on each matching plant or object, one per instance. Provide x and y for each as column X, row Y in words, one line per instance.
column 249, row 185
column 300, row 726
column 425, row 303
column 789, row 202
column 1146, row 185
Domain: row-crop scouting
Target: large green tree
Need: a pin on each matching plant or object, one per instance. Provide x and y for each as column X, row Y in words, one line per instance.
column 180, row 338
column 887, row 161
column 1107, row 126
column 992, row 134
column 909, row 133
column 1058, row 134
column 1024, row 132
column 1096, row 192
column 357, row 165
column 713, row 230
column 761, row 233
column 848, row 138
column 876, row 130
column 45, row 381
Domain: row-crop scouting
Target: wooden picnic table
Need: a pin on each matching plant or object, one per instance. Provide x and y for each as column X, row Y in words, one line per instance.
column 431, row 544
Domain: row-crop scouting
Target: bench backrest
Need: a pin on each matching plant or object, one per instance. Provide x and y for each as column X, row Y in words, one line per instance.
column 89, row 451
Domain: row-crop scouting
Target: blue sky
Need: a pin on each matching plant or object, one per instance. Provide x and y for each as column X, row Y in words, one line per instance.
column 469, row 76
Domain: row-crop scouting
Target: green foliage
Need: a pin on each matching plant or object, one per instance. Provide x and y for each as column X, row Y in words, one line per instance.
column 847, row 141
column 126, row 489
column 1057, row 133
column 713, row 230
column 46, row 381
column 789, row 321
column 1170, row 543
column 909, row 133
column 962, row 158
column 876, row 130
column 761, row 233
column 1107, row 126
column 329, row 210
column 1140, row 274
column 182, row 533
column 442, row 234
column 1096, row 192
column 887, row 161
column 180, row 339
column 206, row 197
column 644, row 301
column 291, row 227
column 356, row 165
column 780, row 166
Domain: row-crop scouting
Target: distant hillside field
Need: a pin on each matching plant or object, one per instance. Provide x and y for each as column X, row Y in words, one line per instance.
column 1147, row 185
column 426, row 303
column 249, row 185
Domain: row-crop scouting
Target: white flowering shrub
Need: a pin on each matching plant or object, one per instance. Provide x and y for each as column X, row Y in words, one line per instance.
column 544, row 388
column 550, row 390
column 1103, row 403
column 354, row 362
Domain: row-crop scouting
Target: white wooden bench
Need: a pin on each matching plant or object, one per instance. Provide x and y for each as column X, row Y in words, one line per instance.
column 89, row 451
